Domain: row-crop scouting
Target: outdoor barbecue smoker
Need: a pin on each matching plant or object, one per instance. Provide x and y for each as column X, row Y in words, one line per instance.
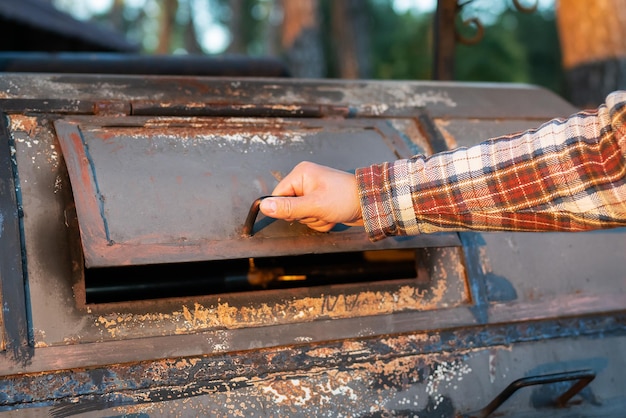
column 131, row 285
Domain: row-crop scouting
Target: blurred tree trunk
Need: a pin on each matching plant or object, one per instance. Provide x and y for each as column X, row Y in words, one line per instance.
column 351, row 34
column 168, row 20
column 237, row 44
column 301, row 39
column 190, row 36
column 116, row 16
column 593, row 46
column 192, row 45
column 272, row 44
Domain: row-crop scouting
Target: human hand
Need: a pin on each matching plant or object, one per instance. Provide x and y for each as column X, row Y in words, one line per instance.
column 322, row 198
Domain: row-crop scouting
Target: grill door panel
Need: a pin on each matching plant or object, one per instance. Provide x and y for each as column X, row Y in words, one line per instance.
column 167, row 190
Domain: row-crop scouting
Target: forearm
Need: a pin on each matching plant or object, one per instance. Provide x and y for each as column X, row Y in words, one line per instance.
column 568, row 175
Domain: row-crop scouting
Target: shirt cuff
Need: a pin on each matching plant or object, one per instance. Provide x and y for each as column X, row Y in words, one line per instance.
column 375, row 196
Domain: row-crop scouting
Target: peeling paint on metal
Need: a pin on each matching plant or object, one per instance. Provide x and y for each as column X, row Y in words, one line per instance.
column 27, row 132
column 430, row 97
column 27, row 124
column 253, row 138
column 58, row 185
column 223, row 315
column 444, row 376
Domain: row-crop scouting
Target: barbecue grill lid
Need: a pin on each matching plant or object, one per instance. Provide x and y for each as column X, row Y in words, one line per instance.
column 173, row 189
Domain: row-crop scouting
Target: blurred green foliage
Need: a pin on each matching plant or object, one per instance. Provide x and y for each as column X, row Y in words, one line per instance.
column 517, row 47
column 402, row 43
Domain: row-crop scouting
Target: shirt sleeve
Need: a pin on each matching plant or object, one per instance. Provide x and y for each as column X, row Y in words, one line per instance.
column 567, row 175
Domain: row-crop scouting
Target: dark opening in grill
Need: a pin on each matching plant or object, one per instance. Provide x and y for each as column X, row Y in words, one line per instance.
column 139, row 282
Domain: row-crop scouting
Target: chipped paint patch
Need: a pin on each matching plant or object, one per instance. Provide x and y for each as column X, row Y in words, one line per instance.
column 492, row 365
column 221, row 140
column 27, row 133
column 376, row 109
column 340, row 391
column 308, row 393
column 26, row 124
column 264, row 138
column 58, row 184
column 427, row 98
column 443, row 376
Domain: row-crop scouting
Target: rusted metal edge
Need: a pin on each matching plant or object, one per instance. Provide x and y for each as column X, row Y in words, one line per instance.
column 59, row 106
column 476, row 276
column 528, row 322
column 86, row 195
column 100, row 252
column 17, row 334
column 431, row 132
column 445, row 99
column 398, row 144
column 152, row 108
column 230, row 371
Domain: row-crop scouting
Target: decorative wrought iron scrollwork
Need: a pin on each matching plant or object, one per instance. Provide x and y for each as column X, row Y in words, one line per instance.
column 478, row 36
column 476, row 23
column 525, row 9
column 448, row 32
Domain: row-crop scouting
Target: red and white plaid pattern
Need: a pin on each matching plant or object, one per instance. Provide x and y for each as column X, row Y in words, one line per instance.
column 567, row 175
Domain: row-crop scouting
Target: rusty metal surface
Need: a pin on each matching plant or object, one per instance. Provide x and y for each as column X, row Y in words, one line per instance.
column 361, row 98
column 178, row 189
column 445, row 39
column 429, row 374
column 479, row 315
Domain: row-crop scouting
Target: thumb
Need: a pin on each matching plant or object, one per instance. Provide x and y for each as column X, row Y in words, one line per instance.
column 282, row 207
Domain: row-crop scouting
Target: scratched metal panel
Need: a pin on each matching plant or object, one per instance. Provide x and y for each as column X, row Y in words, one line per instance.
column 179, row 189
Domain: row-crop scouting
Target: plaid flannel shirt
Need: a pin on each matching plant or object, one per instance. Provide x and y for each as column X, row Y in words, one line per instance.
column 567, row 175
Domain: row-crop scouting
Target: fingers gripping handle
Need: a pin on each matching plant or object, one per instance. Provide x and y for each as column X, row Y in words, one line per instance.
column 248, row 226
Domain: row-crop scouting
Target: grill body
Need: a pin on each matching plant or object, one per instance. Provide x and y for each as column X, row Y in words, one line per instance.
column 126, row 279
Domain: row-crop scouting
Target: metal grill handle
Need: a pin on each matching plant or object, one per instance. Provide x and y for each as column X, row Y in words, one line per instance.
column 248, row 226
column 583, row 378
